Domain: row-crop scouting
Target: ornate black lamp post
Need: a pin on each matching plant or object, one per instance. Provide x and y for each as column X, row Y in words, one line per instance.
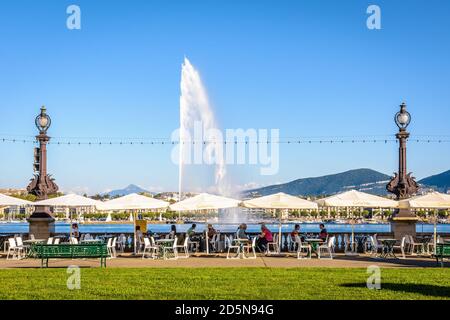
column 403, row 184
column 42, row 185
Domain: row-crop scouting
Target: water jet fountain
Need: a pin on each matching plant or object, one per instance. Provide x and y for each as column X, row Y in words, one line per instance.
column 196, row 115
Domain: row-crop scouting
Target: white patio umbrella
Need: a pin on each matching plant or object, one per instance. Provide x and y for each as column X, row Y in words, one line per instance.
column 70, row 201
column 7, row 201
column 205, row 201
column 280, row 201
column 133, row 202
column 354, row 198
column 432, row 200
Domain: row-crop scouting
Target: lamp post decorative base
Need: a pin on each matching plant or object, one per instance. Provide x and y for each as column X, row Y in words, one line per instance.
column 41, row 223
column 404, row 223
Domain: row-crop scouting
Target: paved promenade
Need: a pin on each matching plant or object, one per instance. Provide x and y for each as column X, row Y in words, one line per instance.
column 219, row 261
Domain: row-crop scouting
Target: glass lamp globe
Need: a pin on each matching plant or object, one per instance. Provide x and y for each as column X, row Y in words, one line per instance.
column 43, row 122
column 403, row 119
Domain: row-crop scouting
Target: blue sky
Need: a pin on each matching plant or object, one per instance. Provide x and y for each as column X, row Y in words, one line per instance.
column 309, row 68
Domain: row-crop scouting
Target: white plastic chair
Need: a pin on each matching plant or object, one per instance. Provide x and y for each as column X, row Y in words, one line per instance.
column 193, row 244
column 14, row 249
column 109, row 247
column 50, row 240
column 273, row 244
column 154, row 245
column 402, row 247
column 184, row 248
column 173, row 248
column 122, row 241
column 149, row 248
column 57, row 241
column 367, row 244
column 375, row 247
column 349, row 245
column 113, row 247
column 252, row 247
column 328, row 247
column 430, row 244
column 72, row 240
column 415, row 245
column 292, row 245
column 19, row 242
column 230, row 247
column 214, row 242
column 301, row 248
column 407, row 244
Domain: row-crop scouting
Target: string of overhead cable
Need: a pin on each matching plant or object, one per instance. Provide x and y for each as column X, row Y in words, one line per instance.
column 60, row 141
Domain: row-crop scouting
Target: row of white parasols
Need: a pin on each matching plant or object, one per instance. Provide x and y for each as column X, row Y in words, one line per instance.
column 204, row 201
column 209, row 202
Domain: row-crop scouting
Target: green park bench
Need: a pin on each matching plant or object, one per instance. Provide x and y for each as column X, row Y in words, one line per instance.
column 442, row 251
column 68, row 251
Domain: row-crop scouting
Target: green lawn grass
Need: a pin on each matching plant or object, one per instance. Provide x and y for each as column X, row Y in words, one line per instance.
column 225, row 283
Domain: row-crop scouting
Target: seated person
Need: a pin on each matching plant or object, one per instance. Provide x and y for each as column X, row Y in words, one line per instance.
column 75, row 232
column 192, row 234
column 173, row 231
column 150, row 233
column 294, row 234
column 139, row 238
column 211, row 231
column 191, row 231
column 264, row 238
column 242, row 232
column 323, row 232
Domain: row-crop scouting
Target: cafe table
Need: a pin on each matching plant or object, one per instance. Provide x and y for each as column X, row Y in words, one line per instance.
column 165, row 243
column 425, row 240
column 92, row 241
column 34, row 241
column 388, row 248
column 314, row 242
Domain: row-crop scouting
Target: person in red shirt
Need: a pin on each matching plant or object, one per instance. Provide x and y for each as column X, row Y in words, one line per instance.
column 264, row 237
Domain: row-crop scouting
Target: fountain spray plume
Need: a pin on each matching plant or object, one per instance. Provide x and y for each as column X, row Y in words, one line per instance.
column 195, row 108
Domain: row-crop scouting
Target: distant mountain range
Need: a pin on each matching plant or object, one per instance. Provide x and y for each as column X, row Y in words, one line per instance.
column 440, row 182
column 132, row 188
column 365, row 180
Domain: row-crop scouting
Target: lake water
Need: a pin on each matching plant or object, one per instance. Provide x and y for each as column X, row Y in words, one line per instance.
column 22, row 228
